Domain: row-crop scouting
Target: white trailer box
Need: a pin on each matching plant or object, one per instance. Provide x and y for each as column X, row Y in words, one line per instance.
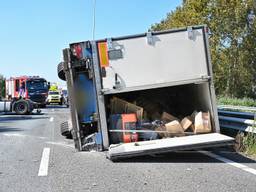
column 170, row 68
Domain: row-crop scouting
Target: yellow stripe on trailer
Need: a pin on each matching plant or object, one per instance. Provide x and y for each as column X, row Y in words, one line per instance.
column 103, row 54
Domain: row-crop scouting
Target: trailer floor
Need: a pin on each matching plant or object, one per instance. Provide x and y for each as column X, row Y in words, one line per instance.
column 25, row 139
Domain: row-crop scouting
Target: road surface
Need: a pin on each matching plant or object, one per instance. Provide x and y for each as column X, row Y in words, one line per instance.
column 35, row 157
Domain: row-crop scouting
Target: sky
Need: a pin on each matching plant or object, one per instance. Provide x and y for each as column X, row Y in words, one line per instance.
column 33, row 33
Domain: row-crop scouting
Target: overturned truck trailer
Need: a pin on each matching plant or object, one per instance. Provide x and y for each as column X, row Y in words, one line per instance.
column 142, row 94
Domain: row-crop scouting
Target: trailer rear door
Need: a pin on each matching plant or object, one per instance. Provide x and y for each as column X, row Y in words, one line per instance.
column 167, row 145
column 154, row 59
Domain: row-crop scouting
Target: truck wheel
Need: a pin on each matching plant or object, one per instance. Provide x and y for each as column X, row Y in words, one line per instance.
column 21, row 107
column 64, row 130
column 43, row 106
column 60, row 70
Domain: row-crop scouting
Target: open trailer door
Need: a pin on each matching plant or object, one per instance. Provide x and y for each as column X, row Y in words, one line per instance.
column 167, row 145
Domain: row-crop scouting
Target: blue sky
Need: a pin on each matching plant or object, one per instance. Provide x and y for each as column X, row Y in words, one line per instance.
column 33, row 33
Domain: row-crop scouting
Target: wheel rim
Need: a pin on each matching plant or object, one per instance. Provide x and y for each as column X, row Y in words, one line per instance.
column 21, row 107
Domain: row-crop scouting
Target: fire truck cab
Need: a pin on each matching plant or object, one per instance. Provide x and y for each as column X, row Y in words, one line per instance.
column 34, row 88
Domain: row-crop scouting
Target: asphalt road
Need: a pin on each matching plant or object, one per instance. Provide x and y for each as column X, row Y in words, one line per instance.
column 24, row 138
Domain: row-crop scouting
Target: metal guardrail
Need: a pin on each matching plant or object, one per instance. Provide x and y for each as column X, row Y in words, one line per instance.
column 240, row 121
column 237, row 108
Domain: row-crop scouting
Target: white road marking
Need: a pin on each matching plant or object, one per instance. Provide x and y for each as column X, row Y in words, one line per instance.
column 43, row 169
column 59, row 112
column 60, row 144
column 52, row 109
column 51, row 119
column 230, row 162
column 22, row 135
column 14, row 135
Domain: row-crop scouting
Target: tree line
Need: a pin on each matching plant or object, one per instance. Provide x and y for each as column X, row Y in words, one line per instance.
column 232, row 32
column 2, row 86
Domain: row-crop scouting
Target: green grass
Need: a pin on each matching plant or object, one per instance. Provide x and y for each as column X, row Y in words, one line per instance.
column 249, row 143
column 248, row 102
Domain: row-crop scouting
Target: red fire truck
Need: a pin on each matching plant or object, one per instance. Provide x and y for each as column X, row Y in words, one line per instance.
column 34, row 88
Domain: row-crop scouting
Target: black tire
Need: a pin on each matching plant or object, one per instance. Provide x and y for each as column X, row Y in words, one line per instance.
column 60, row 70
column 21, row 107
column 70, row 136
column 43, row 105
column 64, row 130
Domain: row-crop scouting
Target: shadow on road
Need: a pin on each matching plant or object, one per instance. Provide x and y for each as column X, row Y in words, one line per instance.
column 20, row 117
column 8, row 129
column 14, row 114
column 187, row 157
column 55, row 106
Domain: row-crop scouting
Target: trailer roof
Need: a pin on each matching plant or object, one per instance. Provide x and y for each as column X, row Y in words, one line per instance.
column 145, row 34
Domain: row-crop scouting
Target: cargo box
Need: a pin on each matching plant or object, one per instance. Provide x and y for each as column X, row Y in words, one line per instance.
column 159, row 77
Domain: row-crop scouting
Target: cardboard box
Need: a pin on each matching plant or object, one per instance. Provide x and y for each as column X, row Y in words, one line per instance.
column 202, row 123
column 192, row 116
column 168, row 117
column 161, row 128
column 174, row 127
column 186, row 123
column 120, row 106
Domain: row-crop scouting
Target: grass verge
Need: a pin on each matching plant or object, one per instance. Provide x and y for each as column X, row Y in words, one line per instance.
column 246, row 143
column 236, row 101
column 249, row 143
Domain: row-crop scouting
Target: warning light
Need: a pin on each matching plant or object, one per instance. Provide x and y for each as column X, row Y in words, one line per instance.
column 77, row 51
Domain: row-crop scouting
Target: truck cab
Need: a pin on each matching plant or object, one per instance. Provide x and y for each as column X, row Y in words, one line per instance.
column 54, row 97
column 27, row 87
column 37, row 90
